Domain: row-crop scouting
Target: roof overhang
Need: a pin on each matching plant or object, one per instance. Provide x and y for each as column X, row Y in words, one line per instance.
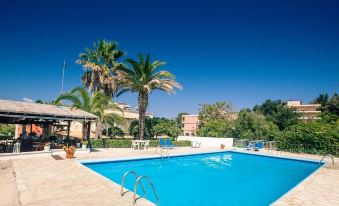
column 16, row 112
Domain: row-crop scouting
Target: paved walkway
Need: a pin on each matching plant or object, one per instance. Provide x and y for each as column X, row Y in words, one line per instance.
column 45, row 181
column 8, row 191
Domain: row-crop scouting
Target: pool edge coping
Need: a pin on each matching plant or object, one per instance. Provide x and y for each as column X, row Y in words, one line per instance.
column 114, row 184
column 157, row 156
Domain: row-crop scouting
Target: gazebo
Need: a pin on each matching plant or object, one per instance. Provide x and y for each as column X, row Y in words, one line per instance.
column 27, row 113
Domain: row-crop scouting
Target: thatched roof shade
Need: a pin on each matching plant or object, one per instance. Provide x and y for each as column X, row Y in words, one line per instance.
column 16, row 111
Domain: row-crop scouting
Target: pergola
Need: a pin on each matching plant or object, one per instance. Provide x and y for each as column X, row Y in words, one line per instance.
column 17, row 112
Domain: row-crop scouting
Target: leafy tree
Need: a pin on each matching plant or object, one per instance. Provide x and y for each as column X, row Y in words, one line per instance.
column 100, row 64
column 149, row 123
column 251, row 125
column 333, row 106
column 143, row 77
column 178, row 119
column 168, row 128
column 110, row 121
column 315, row 137
column 155, row 126
column 216, row 128
column 329, row 107
column 7, row 129
column 114, row 132
column 322, row 99
column 39, row 101
column 276, row 112
column 217, row 111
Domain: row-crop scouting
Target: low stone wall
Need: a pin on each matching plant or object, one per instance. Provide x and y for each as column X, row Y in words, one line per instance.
column 208, row 141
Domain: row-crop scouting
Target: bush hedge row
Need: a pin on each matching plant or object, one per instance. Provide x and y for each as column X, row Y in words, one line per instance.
column 311, row 137
column 125, row 143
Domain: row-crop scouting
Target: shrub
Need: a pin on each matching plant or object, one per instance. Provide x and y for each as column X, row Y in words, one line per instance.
column 114, row 132
column 126, row 143
column 314, row 137
column 251, row 125
column 7, row 129
column 216, row 128
column 155, row 126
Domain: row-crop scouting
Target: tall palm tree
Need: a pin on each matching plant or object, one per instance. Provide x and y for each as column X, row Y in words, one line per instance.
column 95, row 104
column 100, row 64
column 143, row 77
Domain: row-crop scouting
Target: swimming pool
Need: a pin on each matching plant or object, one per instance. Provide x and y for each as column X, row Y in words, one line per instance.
column 224, row 178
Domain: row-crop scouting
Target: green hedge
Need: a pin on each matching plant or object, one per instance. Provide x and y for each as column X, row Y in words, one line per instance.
column 114, row 143
column 311, row 137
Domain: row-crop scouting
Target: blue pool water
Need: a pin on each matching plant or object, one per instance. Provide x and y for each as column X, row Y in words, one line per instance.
column 227, row 178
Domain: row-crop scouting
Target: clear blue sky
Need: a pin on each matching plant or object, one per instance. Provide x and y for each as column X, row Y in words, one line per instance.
column 240, row 51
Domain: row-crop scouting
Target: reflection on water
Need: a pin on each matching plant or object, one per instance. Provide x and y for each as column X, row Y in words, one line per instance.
column 218, row 161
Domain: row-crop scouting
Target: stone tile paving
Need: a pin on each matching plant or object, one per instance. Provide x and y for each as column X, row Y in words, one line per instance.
column 45, row 181
column 321, row 188
column 8, row 192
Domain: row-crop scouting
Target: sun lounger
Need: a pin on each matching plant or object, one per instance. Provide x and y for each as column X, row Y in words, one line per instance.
column 250, row 146
column 168, row 144
column 258, row 146
column 162, row 143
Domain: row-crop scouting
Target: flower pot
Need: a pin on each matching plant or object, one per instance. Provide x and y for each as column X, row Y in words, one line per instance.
column 70, row 154
column 84, row 146
column 69, row 151
column 47, row 147
column 222, row 146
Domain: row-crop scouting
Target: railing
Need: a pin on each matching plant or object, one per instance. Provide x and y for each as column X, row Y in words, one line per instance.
column 161, row 152
column 326, row 155
column 123, row 181
column 136, row 186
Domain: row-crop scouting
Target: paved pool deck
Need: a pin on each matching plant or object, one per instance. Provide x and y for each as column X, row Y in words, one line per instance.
column 42, row 180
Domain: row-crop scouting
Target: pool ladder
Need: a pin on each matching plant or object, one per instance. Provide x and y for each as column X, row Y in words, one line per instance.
column 326, row 155
column 137, row 182
column 161, row 152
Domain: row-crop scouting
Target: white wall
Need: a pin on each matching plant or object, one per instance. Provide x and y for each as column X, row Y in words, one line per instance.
column 208, row 141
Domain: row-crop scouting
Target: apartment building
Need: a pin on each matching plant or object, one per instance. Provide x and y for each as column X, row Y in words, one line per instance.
column 307, row 111
column 189, row 124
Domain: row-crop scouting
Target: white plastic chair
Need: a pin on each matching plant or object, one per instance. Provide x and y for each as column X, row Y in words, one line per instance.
column 146, row 146
column 196, row 144
column 134, row 144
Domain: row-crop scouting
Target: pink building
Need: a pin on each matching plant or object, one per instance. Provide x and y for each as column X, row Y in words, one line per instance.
column 189, row 124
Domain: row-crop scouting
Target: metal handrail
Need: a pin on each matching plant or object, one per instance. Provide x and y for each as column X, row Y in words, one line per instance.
column 327, row 155
column 167, row 154
column 123, row 182
column 150, row 183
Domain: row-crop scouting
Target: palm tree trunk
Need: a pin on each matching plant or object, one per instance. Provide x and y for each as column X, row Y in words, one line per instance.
column 84, row 130
column 98, row 130
column 142, row 104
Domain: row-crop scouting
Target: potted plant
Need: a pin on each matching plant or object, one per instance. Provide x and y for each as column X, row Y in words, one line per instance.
column 222, row 146
column 69, row 151
column 84, row 144
column 47, row 146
